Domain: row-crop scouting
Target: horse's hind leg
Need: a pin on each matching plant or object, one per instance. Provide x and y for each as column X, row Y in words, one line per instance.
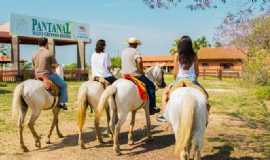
column 56, row 115
column 148, row 123
column 108, row 121
column 22, row 114
column 35, row 114
column 119, row 123
column 197, row 153
column 131, row 127
column 54, row 123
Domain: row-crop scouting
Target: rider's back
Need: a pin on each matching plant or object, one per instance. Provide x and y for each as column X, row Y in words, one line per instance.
column 43, row 61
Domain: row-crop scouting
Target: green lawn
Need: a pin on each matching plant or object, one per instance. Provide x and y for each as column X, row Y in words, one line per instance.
column 230, row 97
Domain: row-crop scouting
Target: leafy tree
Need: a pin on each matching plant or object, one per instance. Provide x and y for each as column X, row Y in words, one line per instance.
column 27, row 66
column 197, row 44
column 173, row 49
column 253, row 37
column 4, row 49
column 116, row 62
column 200, row 43
column 71, row 66
column 217, row 44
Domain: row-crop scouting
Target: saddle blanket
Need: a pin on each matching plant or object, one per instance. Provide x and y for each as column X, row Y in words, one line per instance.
column 187, row 83
column 140, row 86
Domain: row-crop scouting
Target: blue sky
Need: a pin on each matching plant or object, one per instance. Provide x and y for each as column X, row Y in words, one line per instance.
column 116, row 20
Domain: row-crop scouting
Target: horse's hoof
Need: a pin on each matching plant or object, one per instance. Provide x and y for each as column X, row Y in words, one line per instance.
column 38, row 144
column 150, row 139
column 60, row 136
column 48, row 142
column 118, row 153
column 100, row 141
column 25, row 149
column 83, row 146
column 131, row 143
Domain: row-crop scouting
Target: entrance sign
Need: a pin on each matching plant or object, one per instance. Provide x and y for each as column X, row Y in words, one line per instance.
column 29, row 26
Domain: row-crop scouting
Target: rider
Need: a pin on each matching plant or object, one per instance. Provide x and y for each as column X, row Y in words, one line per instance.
column 44, row 64
column 185, row 68
column 101, row 63
column 131, row 63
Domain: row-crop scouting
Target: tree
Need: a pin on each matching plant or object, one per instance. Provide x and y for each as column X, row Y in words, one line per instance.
column 197, row 44
column 204, row 4
column 116, row 62
column 4, row 49
column 217, row 44
column 173, row 49
column 200, row 43
column 71, row 66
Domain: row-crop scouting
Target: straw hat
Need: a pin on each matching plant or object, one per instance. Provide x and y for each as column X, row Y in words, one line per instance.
column 133, row 40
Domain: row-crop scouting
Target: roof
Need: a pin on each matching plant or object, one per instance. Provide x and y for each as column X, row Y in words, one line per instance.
column 220, row 54
column 167, row 60
column 157, row 58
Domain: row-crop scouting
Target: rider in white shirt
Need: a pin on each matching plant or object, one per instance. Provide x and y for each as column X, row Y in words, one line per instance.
column 185, row 68
column 101, row 63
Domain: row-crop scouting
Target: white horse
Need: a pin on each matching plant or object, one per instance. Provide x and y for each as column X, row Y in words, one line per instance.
column 123, row 97
column 90, row 93
column 32, row 94
column 186, row 111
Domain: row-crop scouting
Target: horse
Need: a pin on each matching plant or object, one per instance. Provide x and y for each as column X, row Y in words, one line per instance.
column 32, row 94
column 186, row 111
column 123, row 97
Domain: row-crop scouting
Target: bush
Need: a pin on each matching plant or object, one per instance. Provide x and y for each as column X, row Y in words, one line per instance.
column 116, row 62
column 263, row 93
column 256, row 68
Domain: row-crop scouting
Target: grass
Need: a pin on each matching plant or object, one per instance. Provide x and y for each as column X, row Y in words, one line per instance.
column 237, row 100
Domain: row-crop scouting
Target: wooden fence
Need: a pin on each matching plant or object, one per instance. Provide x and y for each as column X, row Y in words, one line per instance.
column 219, row 73
column 11, row 75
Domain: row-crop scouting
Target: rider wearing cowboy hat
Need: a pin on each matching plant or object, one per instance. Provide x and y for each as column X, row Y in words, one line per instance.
column 132, row 65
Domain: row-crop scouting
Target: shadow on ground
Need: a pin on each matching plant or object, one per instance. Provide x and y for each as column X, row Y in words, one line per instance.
column 3, row 91
column 224, row 153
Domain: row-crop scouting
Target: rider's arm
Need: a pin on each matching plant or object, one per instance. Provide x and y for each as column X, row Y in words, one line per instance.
column 54, row 62
column 139, row 64
column 196, row 65
column 175, row 66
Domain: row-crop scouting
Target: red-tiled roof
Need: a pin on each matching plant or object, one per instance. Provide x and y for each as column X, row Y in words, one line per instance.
column 220, row 54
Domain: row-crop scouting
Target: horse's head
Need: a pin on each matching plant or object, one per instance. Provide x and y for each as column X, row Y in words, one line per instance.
column 116, row 72
column 59, row 70
column 156, row 74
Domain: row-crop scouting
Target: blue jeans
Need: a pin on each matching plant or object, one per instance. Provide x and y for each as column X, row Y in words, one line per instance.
column 151, row 90
column 62, row 85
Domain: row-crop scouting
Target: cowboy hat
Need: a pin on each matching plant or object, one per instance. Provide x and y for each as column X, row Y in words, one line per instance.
column 133, row 40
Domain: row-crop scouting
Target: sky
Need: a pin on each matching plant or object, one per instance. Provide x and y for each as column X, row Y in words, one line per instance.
column 116, row 20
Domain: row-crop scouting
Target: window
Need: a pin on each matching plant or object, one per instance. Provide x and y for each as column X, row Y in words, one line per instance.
column 205, row 65
column 226, row 65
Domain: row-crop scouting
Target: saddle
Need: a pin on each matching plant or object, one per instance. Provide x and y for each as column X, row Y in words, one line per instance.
column 187, row 83
column 51, row 87
column 140, row 86
column 101, row 80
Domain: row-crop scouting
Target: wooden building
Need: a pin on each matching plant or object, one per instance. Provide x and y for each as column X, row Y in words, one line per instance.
column 210, row 60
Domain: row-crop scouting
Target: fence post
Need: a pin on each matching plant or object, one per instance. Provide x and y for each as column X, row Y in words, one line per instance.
column 204, row 72
column 220, row 74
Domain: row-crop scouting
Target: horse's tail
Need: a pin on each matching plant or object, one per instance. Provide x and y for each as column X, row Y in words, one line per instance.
column 108, row 93
column 82, row 106
column 184, row 131
column 18, row 103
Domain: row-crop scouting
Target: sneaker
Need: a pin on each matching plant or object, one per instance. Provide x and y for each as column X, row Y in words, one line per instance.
column 154, row 111
column 161, row 118
column 63, row 106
